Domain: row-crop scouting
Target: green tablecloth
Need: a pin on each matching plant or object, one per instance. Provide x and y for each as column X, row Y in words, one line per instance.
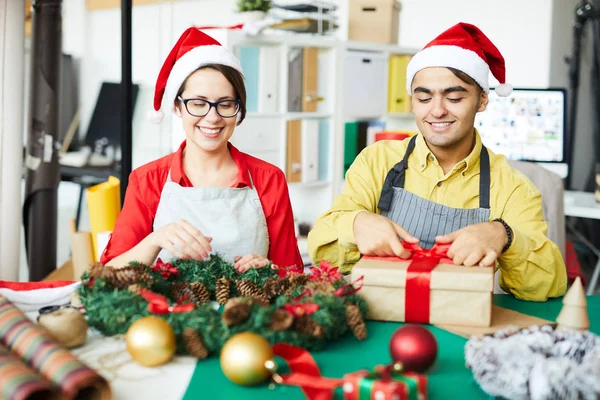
column 448, row 378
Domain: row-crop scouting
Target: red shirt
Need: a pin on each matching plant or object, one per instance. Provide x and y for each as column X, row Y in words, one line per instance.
column 146, row 183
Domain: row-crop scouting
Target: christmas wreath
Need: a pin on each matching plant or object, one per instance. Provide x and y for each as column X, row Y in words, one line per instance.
column 282, row 305
column 536, row 363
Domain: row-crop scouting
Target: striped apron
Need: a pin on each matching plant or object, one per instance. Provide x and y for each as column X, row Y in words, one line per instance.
column 424, row 218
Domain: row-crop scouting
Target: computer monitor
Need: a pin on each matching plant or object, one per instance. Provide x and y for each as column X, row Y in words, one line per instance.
column 528, row 125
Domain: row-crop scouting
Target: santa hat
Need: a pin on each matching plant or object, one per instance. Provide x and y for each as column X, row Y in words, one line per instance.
column 31, row 296
column 465, row 48
column 193, row 50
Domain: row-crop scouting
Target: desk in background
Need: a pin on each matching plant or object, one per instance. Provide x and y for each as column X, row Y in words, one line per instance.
column 584, row 205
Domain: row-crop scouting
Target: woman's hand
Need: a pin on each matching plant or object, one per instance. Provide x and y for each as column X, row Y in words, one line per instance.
column 182, row 240
column 243, row 264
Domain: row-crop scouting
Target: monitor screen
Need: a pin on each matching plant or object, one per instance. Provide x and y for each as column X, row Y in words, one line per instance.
column 528, row 125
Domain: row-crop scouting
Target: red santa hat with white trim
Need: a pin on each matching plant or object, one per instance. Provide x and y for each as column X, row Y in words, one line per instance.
column 193, row 50
column 465, row 48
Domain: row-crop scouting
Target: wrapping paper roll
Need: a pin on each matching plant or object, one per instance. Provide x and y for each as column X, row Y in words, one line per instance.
column 19, row 382
column 28, row 342
column 104, row 205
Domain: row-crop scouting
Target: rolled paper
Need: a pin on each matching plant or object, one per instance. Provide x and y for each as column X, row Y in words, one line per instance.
column 19, row 382
column 104, row 205
column 30, row 343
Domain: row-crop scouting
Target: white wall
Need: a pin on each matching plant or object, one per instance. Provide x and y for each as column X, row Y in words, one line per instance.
column 521, row 29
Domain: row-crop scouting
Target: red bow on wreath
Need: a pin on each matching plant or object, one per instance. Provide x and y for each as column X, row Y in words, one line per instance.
column 158, row 304
column 166, row 269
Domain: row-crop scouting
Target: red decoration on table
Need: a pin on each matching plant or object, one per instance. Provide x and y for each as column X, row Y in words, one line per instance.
column 418, row 278
column 413, row 346
column 158, row 304
column 386, row 382
column 166, row 269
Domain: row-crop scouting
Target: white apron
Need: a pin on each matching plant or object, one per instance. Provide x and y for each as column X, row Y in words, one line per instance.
column 233, row 217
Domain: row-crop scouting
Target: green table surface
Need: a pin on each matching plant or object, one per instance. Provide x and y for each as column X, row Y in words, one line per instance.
column 448, row 377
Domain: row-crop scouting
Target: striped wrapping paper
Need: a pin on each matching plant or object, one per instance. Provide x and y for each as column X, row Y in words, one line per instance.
column 19, row 382
column 27, row 341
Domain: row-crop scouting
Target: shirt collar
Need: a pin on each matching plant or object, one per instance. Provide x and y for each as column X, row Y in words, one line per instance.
column 178, row 175
column 425, row 156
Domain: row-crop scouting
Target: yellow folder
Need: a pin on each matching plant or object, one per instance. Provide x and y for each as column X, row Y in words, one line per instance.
column 398, row 98
column 104, row 205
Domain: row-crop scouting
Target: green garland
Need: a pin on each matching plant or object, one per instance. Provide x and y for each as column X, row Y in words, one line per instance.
column 112, row 304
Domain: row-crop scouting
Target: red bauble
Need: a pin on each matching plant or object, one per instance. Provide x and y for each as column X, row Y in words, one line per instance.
column 413, row 346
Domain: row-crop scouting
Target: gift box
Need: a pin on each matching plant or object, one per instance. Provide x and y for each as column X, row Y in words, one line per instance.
column 366, row 385
column 427, row 288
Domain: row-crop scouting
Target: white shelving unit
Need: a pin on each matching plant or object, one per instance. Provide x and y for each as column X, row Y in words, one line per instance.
column 263, row 134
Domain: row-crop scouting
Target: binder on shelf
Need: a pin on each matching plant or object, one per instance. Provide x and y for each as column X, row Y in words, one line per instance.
column 295, row 72
column 293, row 162
column 355, row 140
column 398, row 98
column 373, row 129
column 310, row 74
column 310, row 150
column 324, row 152
column 268, row 80
column 249, row 59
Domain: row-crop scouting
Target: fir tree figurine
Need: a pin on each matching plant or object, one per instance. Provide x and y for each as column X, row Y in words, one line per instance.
column 573, row 316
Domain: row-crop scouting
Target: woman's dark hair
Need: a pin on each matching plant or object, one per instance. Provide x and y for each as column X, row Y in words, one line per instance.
column 466, row 78
column 234, row 77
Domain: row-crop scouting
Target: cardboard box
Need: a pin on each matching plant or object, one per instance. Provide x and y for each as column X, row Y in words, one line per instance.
column 374, row 21
column 458, row 295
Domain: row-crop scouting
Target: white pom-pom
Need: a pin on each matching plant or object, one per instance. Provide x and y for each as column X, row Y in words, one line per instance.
column 155, row 116
column 503, row 90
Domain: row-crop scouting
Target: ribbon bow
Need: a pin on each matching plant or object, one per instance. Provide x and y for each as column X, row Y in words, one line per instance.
column 158, row 304
column 166, row 269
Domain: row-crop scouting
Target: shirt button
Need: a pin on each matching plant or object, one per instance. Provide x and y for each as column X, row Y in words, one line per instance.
column 430, row 157
column 439, row 184
column 422, row 165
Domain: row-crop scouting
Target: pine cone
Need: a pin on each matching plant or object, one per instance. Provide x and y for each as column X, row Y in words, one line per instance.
column 135, row 288
column 200, row 292
column 180, row 290
column 298, row 279
column 236, row 310
column 305, row 325
column 251, row 290
column 222, row 290
column 356, row 322
column 121, row 278
column 194, row 343
column 272, row 287
column 281, row 320
column 323, row 287
column 96, row 270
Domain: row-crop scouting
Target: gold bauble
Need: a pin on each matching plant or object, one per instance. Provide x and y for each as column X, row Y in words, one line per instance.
column 246, row 359
column 66, row 325
column 151, row 341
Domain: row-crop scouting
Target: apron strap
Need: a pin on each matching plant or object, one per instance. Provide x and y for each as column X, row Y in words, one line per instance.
column 484, row 178
column 395, row 178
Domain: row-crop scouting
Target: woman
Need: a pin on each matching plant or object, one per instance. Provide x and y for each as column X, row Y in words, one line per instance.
column 207, row 197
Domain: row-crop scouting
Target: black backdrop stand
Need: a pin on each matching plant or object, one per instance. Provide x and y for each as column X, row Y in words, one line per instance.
column 127, row 96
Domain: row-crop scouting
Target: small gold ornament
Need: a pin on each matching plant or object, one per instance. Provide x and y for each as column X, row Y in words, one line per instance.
column 151, row 341
column 247, row 359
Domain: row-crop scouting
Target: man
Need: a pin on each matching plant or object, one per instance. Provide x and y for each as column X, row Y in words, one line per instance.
column 443, row 185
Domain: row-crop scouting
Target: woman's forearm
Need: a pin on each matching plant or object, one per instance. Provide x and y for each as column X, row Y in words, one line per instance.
column 144, row 252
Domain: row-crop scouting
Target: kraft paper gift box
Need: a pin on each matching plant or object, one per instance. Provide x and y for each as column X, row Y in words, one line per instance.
column 457, row 295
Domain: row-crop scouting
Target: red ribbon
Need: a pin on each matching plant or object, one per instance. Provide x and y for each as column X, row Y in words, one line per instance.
column 418, row 278
column 349, row 289
column 158, row 304
column 305, row 373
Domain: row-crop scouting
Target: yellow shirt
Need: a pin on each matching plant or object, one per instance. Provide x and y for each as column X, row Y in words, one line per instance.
column 531, row 269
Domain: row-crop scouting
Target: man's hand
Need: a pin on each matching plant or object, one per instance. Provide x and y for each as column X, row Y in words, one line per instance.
column 477, row 244
column 376, row 235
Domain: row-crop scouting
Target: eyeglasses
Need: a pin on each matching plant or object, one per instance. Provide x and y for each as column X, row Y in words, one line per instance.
column 51, row 309
column 201, row 107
